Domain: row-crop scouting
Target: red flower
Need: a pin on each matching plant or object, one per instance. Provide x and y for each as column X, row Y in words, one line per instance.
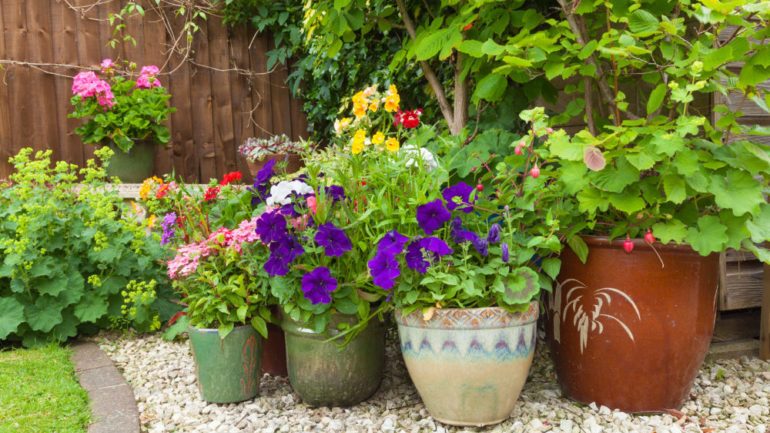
column 231, row 177
column 211, row 193
column 468, row 26
column 409, row 119
column 162, row 191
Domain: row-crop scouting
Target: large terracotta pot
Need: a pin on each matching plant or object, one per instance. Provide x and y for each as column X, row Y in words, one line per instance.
column 292, row 160
column 630, row 331
column 325, row 374
column 469, row 365
column 227, row 368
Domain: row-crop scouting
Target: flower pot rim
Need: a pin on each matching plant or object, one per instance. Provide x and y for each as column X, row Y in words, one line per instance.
column 270, row 155
column 217, row 329
column 639, row 243
column 521, row 318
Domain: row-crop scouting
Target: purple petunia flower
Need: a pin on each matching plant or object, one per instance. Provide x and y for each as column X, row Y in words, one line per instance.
column 459, row 190
column 318, row 285
column 262, row 182
column 333, row 239
column 506, row 253
column 169, row 221
column 271, row 227
column 432, row 215
column 415, row 258
column 393, row 243
column 384, row 270
column 288, row 210
column 335, row 192
column 460, row 235
column 282, row 253
column 494, row 234
column 482, row 246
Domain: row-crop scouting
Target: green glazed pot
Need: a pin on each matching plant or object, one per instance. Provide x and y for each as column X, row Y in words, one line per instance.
column 228, row 369
column 325, row 375
column 136, row 165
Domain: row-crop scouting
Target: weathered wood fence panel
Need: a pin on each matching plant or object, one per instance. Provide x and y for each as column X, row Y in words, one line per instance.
column 223, row 92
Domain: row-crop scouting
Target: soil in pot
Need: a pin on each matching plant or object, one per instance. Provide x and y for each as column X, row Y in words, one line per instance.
column 325, row 374
column 136, row 165
column 469, row 365
column 630, row 331
column 228, row 370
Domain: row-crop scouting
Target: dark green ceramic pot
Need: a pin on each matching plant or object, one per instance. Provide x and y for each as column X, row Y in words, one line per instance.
column 323, row 374
column 228, row 369
column 136, row 165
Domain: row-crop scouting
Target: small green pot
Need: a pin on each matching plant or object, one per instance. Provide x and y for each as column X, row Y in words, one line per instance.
column 228, row 369
column 325, row 375
column 136, row 165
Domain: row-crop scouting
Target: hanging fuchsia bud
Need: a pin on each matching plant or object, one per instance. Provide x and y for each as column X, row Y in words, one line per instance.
column 549, row 130
column 628, row 245
column 522, row 143
column 649, row 237
column 535, row 172
column 517, row 150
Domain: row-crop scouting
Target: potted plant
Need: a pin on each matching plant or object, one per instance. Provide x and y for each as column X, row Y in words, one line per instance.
column 258, row 151
column 334, row 342
column 227, row 300
column 126, row 112
column 655, row 196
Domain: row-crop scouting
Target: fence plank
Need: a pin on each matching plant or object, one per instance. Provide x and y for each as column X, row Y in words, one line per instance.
column 224, row 136
column 89, row 43
column 203, row 130
column 17, row 79
column 241, row 95
column 40, row 50
column 6, row 140
column 262, row 96
column 154, row 33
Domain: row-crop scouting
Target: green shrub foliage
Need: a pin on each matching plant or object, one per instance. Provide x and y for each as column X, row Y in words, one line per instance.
column 68, row 251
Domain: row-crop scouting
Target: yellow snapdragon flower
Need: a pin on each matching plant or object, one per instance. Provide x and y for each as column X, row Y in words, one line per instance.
column 392, row 99
column 392, row 144
column 378, row 138
column 359, row 141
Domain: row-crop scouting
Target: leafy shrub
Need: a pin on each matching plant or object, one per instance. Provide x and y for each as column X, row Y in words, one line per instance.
column 67, row 252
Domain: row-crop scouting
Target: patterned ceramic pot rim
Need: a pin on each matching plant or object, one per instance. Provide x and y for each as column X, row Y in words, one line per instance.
column 210, row 330
column 470, row 318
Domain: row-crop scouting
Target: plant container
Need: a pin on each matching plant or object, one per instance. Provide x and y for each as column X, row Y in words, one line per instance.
column 469, row 364
column 325, row 374
column 274, row 352
column 292, row 160
column 228, row 369
column 136, row 165
column 630, row 330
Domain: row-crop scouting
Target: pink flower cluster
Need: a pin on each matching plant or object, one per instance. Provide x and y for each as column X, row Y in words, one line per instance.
column 188, row 256
column 148, row 77
column 88, row 84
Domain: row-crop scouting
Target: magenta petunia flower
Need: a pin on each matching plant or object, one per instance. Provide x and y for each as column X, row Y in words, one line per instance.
column 432, row 215
column 318, row 285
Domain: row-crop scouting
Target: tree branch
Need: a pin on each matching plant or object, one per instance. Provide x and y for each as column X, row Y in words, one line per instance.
column 430, row 75
column 604, row 88
column 589, row 105
column 461, row 98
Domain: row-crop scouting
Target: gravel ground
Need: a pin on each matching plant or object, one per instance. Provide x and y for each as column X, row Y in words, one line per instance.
column 729, row 396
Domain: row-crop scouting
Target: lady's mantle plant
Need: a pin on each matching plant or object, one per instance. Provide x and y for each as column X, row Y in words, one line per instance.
column 71, row 257
column 120, row 106
column 666, row 168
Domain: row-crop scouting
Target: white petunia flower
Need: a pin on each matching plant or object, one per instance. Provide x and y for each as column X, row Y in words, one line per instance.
column 280, row 193
column 428, row 159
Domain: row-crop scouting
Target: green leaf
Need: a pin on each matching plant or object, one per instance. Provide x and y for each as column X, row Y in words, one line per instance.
column 675, row 188
column 491, row 88
column 738, row 191
column 588, row 49
column 551, row 266
column 656, row 98
column 579, row 247
column 260, row 325
column 11, row 316
column 759, row 226
column 471, row 47
column 91, row 308
column 670, row 231
column 627, row 202
column 616, row 178
column 561, row 146
column 641, row 160
column 431, row 45
column 492, row 48
column 44, row 314
column 643, row 23
column 709, row 237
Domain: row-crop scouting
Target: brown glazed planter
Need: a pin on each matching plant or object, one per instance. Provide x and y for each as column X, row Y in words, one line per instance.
column 628, row 333
column 274, row 352
column 293, row 162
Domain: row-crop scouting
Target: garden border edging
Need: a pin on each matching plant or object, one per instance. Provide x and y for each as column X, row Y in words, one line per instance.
column 112, row 402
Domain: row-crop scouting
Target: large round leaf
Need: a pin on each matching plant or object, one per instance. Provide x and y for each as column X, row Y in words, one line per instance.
column 11, row 316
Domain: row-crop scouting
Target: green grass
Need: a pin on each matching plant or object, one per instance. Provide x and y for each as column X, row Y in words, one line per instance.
column 39, row 392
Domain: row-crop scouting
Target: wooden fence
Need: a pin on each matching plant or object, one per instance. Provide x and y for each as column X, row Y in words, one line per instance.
column 223, row 92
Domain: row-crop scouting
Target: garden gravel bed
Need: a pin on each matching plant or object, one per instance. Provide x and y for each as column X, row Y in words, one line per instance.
column 729, row 396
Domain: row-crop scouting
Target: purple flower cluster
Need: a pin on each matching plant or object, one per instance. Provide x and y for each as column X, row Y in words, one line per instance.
column 169, row 221
column 461, row 191
column 432, row 216
column 333, row 239
column 421, row 252
column 383, row 267
column 335, row 192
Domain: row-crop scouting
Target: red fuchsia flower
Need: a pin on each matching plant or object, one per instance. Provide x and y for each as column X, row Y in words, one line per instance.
column 408, row 119
column 211, row 193
column 231, row 177
column 468, row 26
column 162, row 191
